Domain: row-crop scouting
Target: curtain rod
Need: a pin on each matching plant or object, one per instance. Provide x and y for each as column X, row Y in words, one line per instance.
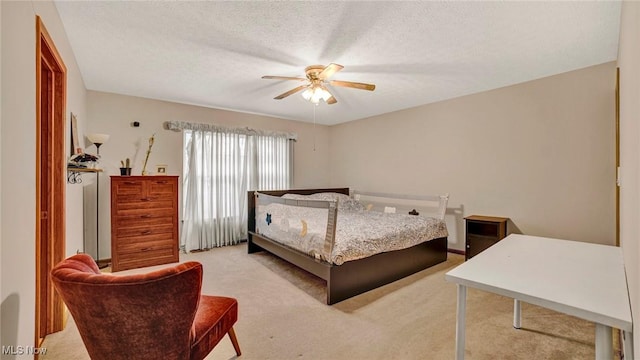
column 182, row 125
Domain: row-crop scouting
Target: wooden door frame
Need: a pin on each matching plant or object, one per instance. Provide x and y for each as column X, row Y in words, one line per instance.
column 50, row 181
column 617, row 156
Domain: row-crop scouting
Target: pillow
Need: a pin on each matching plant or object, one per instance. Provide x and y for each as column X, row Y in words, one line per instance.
column 329, row 196
column 345, row 203
column 325, row 196
column 295, row 197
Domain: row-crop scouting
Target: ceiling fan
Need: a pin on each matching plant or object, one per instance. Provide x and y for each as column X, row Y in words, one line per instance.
column 315, row 88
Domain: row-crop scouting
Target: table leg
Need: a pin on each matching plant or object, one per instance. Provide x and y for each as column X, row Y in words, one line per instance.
column 604, row 342
column 628, row 345
column 517, row 314
column 460, row 324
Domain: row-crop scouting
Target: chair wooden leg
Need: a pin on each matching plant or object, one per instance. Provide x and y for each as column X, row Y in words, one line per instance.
column 234, row 341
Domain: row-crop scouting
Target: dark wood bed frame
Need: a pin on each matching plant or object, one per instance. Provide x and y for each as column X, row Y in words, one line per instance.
column 353, row 277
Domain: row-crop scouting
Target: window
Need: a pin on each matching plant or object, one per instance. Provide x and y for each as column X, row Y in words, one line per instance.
column 219, row 167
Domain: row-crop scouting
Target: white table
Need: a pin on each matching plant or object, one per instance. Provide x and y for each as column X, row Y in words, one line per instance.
column 576, row 278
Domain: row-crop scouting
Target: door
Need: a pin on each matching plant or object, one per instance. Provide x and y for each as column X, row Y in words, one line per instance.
column 50, row 180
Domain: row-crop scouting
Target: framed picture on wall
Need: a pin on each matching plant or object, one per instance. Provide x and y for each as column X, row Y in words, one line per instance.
column 161, row 169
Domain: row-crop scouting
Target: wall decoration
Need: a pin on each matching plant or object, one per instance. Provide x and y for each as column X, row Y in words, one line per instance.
column 75, row 144
column 161, row 169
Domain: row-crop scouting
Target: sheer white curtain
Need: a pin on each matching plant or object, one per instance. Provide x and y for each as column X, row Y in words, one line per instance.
column 270, row 162
column 219, row 166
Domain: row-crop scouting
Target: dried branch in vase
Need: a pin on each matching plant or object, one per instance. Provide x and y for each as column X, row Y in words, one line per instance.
column 144, row 167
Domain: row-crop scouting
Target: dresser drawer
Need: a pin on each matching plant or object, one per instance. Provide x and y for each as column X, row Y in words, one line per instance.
column 144, row 230
column 144, row 213
column 147, row 257
column 129, row 187
column 124, row 221
column 146, row 247
column 135, row 263
column 161, row 188
column 144, row 203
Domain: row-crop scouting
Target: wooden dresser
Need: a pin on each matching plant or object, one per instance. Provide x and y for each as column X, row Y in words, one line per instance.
column 144, row 221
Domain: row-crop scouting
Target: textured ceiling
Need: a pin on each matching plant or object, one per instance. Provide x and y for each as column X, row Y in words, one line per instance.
column 214, row 53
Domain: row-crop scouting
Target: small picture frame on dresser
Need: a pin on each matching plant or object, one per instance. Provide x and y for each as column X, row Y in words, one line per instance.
column 161, row 169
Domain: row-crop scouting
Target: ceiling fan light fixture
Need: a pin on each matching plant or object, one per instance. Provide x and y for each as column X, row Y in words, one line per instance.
column 325, row 94
column 307, row 94
column 315, row 93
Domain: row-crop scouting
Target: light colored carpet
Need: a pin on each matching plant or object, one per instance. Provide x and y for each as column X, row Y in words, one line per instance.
column 282, row 315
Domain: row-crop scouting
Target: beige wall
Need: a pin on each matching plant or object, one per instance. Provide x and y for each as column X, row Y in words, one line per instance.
column 629, row 63
column 17, row 221
column 112, row 114
column 540, row 153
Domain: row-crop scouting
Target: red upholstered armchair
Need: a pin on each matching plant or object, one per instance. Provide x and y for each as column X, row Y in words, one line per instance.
column 158, row 315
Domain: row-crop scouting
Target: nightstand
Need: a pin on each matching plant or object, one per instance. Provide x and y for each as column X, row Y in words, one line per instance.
column 482, row 232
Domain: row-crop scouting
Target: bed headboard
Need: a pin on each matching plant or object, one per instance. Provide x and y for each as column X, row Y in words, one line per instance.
column 431, row 205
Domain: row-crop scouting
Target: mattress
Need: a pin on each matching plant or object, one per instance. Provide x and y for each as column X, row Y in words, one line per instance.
column 359, row 233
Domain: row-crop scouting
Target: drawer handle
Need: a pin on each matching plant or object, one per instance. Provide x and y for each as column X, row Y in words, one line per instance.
column 146, row 232
column 145, row 199
column 146, row 249
column 130, row 183
column 161, row 182
column 145, row 216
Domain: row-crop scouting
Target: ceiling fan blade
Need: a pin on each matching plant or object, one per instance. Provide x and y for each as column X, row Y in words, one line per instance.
column 331, row 99
column 329, row 71
column 351, row 84
column 290, row 92
column 284, row 78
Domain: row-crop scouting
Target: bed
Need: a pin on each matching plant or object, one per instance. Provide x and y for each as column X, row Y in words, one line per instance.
column 346, row 271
